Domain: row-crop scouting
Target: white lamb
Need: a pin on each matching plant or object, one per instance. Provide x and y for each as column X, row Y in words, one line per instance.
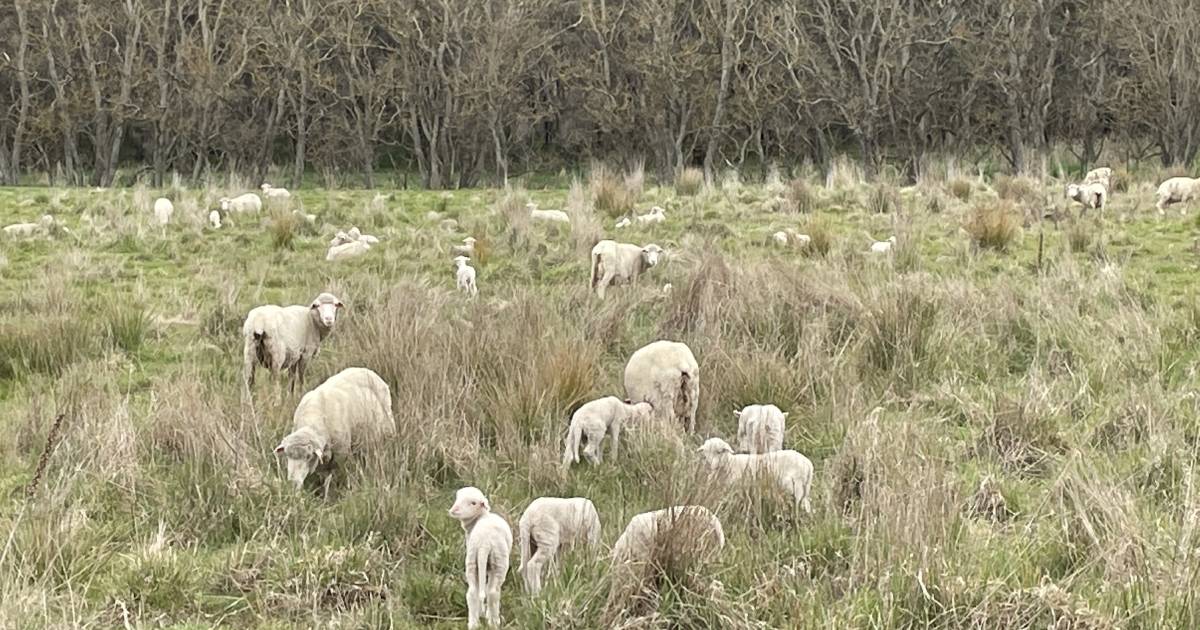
column 548, row 526
column 791, row 237
column 760, row 428
column 163, row 209
column 1102, row 176
column 25, row 230
column 1177, row 190
column 624, row 223
column 790, row 470
column 350, row 409
column 554, row 216
column 271, row 192
column 666, row 375
column 248, row 202
column 883, row 247
column 351, row 236
column 466, row 249
column 694, row 527
column 597, row 418
column 1092, row 195
column 616, row 263
column 464, row 276
column 286, row 338
column 346, row 251
column 656, row 215
column 489, row 545
column 214, row 219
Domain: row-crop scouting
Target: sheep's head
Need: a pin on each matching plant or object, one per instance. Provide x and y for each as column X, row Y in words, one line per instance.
column 651, row 253
column 325, row 308
column 461, row 261
column 47, row 221
column 624, row 222
column 892, row 240
column 469, row 241
column 658, row 211
column 265, row 187
column 714, row 449
column 305, row 451
column 640, row 411
column 224, row 204
column 354, row 233
column 1073, row 191
column 469, row 504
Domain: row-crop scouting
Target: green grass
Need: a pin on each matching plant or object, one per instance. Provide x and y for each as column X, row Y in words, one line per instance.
column 1069, row 387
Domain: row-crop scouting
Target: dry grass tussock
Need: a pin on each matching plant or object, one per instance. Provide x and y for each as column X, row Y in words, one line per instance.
column 612, row 195
column 993, row 225
column 689, row 182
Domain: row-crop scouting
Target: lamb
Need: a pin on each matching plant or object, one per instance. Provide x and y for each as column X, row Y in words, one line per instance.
column 692, row 525
column 883, row 247
column 214, row 219
column 555, row 216
column 248, row 202
column 656, row 215
column 665, row 374
column 163, row 209
column 789, row 236
column 351, row 236
column 548, row 526
column 760, row 428
column 781, row 238
column 286, row 338
column 1102, row 176
column 624, row 223
column 616, row 263
column 790, row 470
column 341, row 238
column 1177, row 190
column 310, row 219
column 350, row 409
column 466, row 249
column 271, row 192
column 24, row 230
column 1092, row 195
column 465, row 276
column 597, row 418
column 346, row 251
column 489, row 544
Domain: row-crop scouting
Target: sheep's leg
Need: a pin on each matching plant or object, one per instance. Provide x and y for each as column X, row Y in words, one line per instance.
column 540, row 558
column 493, row 601
column 595, row 442
column 616, row 440
column 605, row 281
column 473, row 605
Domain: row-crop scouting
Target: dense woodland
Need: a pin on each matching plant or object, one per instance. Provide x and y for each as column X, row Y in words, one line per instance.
column 472, row 92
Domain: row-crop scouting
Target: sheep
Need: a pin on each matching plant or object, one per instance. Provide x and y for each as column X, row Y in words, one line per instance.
column 550, row 525
column 693, row 526
column 624, row 223
column 350, row 409
column 346, row 251
column 1177, row 190
column 351, row 236
column 1091, row 195
column 556, row 216
column 21, row 230
column 248, row 202
column 286, row 338
column 489, row 545
column 1102, row 176
column 597, row 418
column 616, row 263
column 760, row 428
column 214, row 219
column 271, row 192
column 163, row 209
column 781, row 238
column 883, row 247
column 341, row 238
column 466, row 249
column 790, row 470
column 310, row 219
column 789, row 236
column 665, row 374
column 464, row 276
column 656, row 215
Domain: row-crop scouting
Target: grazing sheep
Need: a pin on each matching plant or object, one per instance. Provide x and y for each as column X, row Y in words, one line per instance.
column 791, row 237
column 623, row 223
column 24, row 230
column 883, row 247
column 548, row 526
column 163, row 209
column 693, row 526
column 286, row 338
column 790, row 470
column 271, row 192
column 248, row 202
column 616, row 263
column 350, row 409
column 464, row 276
column 1102, row 176
column 466, row 249
column 760, row 428
column 1090, row 195
column 346, row 251
column 214, row 219
column 489, row 544
column 1177, row 190
column 665, row 374
column 656, row 215
column 595, row 419
column 310, row 219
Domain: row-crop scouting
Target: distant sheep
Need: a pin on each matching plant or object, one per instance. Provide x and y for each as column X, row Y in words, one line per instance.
column 489, row 545
column 214, row 219
column 350, row 409
column 163, row 209
column 464, row 276
column 666, row 375
column 25, row 230
column 1102, row 176
column 693, row 527
column 351, row 236
column 616, row 263
column 760, row 428
column 790, row 470
column 597, row 418
column 466, row 249
column 248, row 202
column 1090, row 195
column 883, row 247
column 791, row 237
column 271, row 192
column 624, row 223
column 656, row 215
column 548, row 526
column 286, row 338
column 346, row 251
column 1177, row 190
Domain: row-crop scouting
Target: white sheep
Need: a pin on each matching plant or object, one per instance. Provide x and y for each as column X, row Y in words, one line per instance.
column 350, row 409
column 1092, row 195
column 666, row 375
column 883, row 247
column 597, row 418
column 693, row 527
column 466, row 249
column 780, row 238
column 286, row 338
column 248, row 202
column 464, row 276
column 554, row 216
column 214, row 219
column 341, row 238
column 163, row 209
column 271, row 192
column 624, row 223
column 790, row 470
column 1102, row 176
column 791, row 237
column 356, row 235
column 489, row 545
column 616, row 263
column 346, row 251
column 760, row 428
column 1177, row 190
column 310, row 219
column 24, row 230
column 548, row 526
column 656, row 215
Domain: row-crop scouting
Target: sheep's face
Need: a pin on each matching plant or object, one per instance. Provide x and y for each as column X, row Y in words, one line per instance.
column 469, row 504
column 651, row 254
column 469, row 241
column 303, row 457
column 225, row 204
column 265, row 187
column 714, row 449
column 1072, row 191
column 460, row 261
column 325, row 308
column 640, row 411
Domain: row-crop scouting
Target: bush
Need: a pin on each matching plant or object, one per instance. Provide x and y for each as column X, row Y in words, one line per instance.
column 1020, row 190
column 284, row 225
column 883, row 199
column 994, row 225
column 821, row 239
column 689, row 181
column 799, row 196
column 960, row 188
column 935, row 202
column 612, row 195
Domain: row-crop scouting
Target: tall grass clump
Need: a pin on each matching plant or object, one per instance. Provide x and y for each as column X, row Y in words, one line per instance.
column 960, row 188
column 50, row 347
column 586, row 229
column 883, row 198
column 126, row 325
column 1079, row 236
column 612, row 195
column 993, row 225
column 799, row 197
column 1120, row 180
column 821, row 238
column 512, row 205
column 689, row 182
column 1022, row 191
column 284, row 225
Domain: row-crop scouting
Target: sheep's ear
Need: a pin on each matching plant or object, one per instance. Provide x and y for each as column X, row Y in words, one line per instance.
column 785, row 414
column 279, row 450
column 485, row 504
column 326, row 454
column 339, row 304
column 628, row 401
column 737, row 414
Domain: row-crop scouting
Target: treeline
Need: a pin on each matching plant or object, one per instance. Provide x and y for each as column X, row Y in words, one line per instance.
column 465, row 91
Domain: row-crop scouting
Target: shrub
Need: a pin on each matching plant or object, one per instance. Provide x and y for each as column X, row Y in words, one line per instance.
column 994, row 225
column 883, row 199
column 935, row 202
column 960, row 188
column 284, row 226
column 799, row 196
column 611, row 195
column 1020, row 190
column 689, row 181
column 821, row 238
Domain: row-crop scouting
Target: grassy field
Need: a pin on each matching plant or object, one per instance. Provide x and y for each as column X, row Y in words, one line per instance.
column 1034, row 463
